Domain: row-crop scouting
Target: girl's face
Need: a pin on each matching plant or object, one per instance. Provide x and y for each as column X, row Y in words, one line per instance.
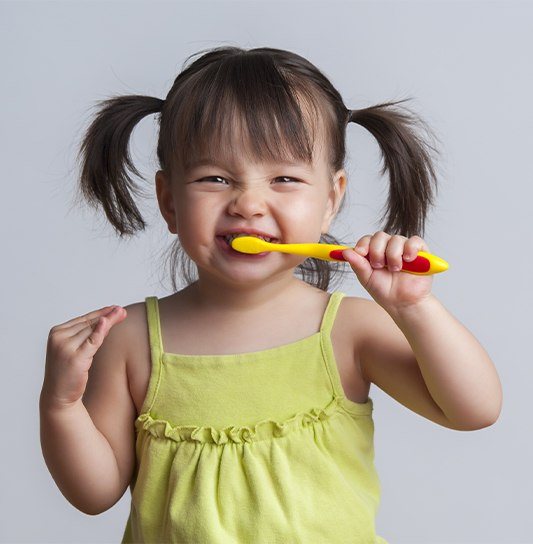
column 294, row 203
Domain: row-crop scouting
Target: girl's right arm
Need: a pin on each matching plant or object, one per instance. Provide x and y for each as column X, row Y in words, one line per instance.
column 79, row 457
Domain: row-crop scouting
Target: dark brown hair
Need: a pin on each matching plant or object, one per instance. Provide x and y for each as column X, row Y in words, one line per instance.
column 277, row 103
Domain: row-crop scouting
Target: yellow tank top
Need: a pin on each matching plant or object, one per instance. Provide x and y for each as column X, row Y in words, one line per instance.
column 252, row 448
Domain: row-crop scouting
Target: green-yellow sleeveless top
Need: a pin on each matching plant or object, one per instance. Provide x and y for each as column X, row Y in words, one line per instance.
column 253, row 448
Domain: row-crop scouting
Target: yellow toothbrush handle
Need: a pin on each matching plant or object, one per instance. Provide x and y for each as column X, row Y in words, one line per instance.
column 319, row 251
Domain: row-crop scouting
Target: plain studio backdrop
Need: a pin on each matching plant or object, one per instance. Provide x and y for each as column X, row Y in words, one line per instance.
column 468, row 66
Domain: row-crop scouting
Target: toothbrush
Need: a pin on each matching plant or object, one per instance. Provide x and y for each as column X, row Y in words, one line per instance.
column 425, row 263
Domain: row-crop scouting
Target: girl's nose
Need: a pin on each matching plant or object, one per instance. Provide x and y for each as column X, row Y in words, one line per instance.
column 249, row 202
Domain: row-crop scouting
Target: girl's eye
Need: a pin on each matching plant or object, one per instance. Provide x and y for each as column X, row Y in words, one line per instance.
column 291, row 179
column 209, row 178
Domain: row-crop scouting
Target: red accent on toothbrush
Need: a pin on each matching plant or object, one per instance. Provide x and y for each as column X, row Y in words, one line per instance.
column 420, row 264
column 337, row 254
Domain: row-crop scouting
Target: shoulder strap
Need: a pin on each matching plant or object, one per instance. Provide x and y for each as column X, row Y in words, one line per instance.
column 331, row 311
column 154, row 326
column 327, row 346
column 156, row 351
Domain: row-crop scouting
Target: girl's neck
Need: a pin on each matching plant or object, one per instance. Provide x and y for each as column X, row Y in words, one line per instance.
column 266, row 297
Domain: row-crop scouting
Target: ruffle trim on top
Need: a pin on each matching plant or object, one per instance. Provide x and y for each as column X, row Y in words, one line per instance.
column 238, row 434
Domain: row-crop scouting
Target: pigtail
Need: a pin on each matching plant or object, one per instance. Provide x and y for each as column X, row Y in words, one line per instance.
column 105, row 159
column 407, row 159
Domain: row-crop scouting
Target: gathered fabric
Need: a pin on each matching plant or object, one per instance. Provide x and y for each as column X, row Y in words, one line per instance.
column 258, row 447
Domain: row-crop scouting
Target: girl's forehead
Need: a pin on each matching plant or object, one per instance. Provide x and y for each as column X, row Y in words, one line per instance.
column 237, row 165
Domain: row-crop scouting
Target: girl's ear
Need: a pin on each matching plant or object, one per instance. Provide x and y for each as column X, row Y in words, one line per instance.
column 336, row 194
column 165, row 200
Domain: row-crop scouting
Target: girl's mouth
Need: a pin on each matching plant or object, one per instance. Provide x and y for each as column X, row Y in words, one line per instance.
column 228, row 250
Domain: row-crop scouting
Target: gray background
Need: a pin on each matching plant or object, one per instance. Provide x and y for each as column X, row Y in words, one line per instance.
column 468, row 65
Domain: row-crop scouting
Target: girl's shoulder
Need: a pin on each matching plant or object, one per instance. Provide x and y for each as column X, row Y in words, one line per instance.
column 135, row 328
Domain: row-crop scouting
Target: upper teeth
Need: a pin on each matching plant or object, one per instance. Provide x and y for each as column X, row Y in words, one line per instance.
column 230, row 237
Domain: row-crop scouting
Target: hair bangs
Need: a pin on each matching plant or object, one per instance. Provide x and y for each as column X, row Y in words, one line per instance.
column 244, row 106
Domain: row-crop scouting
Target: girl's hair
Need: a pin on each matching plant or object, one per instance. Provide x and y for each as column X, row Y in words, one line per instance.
column 269, row 104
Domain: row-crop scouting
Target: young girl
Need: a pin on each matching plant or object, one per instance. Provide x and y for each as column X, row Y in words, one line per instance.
column 237, row 408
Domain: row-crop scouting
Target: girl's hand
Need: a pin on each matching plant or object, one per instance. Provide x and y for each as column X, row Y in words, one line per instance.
column 69, row 354
column 391, row 289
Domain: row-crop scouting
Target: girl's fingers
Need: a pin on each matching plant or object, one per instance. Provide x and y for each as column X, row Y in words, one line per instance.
column 377, row 247
column 362, row 245
column 91, row 335
column 413, row 246
column 385, row 250
column 85, row 319
column 92, row 331
column 77, row 330
column 394, row 252
column 115, row 313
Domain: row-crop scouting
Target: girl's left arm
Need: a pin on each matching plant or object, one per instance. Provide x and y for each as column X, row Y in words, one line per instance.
column 457, row 370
